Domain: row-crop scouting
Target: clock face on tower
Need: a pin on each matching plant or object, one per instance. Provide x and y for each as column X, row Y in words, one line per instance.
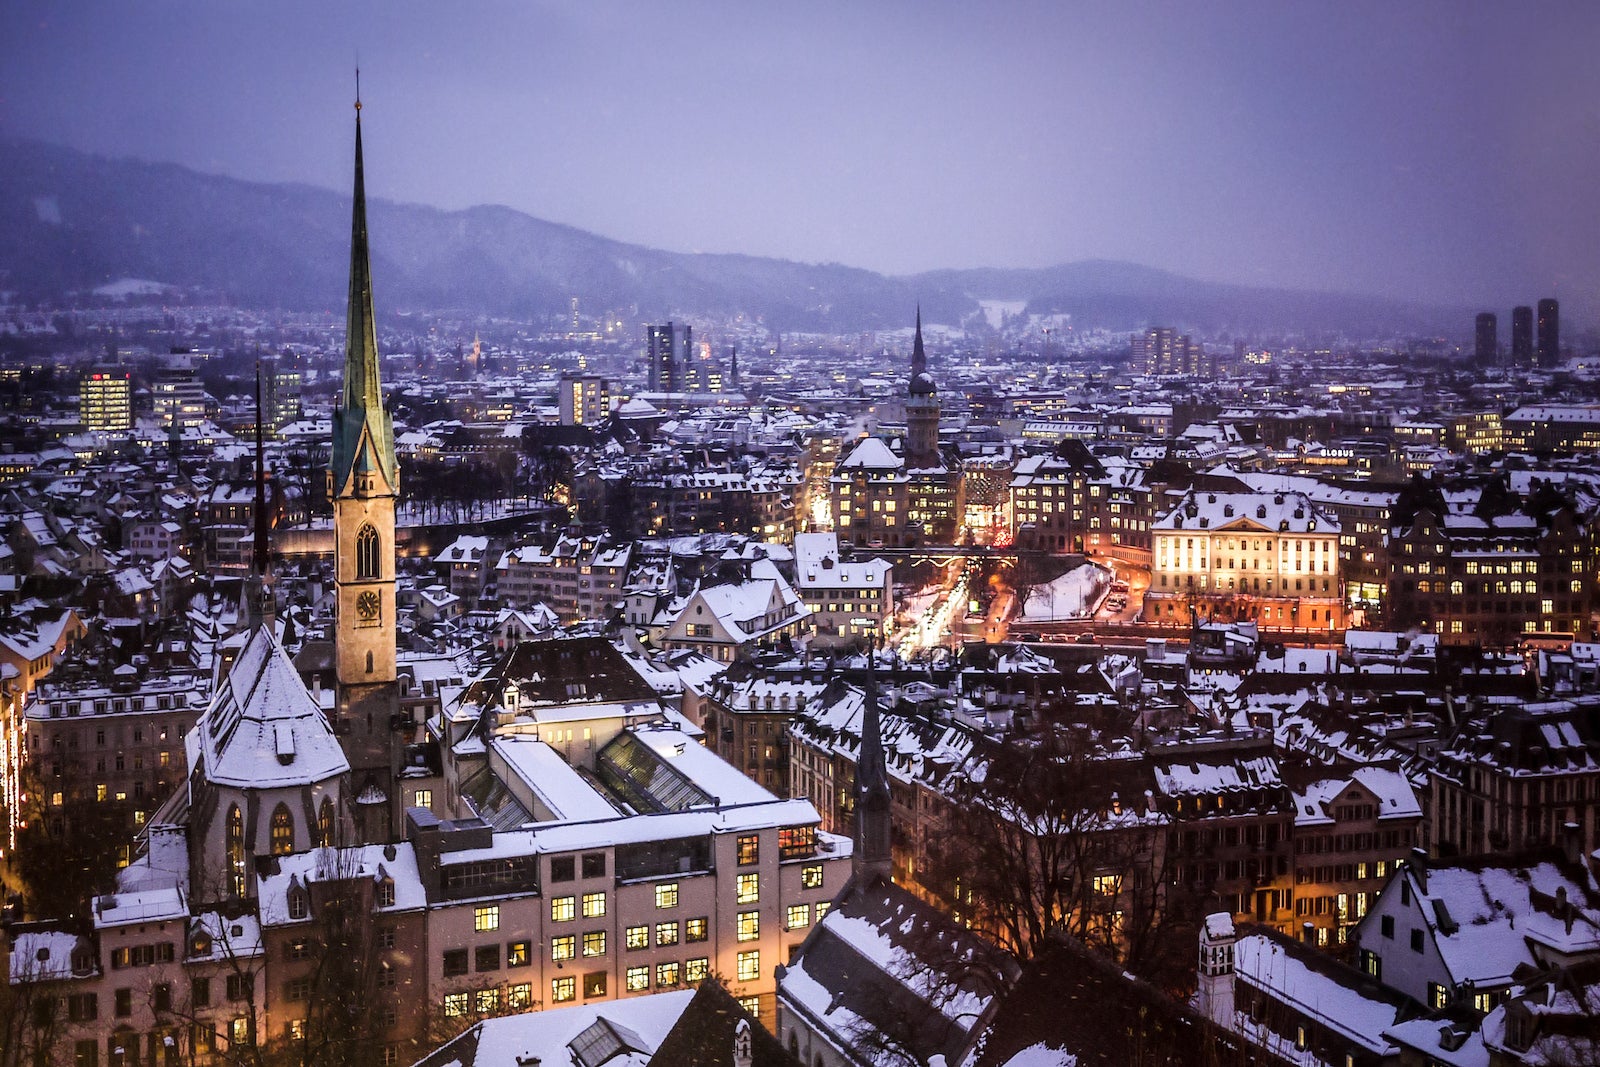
column 368, row 605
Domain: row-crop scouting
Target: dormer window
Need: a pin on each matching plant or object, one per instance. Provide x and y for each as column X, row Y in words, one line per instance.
column 299, row 902
column 386, row 893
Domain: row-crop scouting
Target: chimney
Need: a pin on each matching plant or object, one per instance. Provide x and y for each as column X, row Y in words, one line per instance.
column 1419, row 868
column 1572, row 843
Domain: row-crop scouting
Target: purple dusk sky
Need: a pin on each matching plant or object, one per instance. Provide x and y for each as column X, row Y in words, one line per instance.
column 1441, row 151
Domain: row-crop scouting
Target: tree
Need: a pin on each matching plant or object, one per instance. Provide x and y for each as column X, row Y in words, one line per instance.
column 1047, row 834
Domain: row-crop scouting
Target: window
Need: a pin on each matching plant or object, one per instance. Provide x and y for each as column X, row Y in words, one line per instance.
column 455, row 1004
column 200, row 992
column 749, row 925
column 697, row 929
column 822, row 909
column 594, row 864
column 563, row 869
column 748, row 847
column 455, row 962
column 564, row 947
column 520, row 996
column 594, row 943
column 1416, row 941
column 636, row 979
column 488, row 1001
column 282, row 831
column 241, row 986
column 747, row 965
column 666, row 933
column 697, row 969
column 298, row 989
column 636, row 937
column 386, row 893
column 367, row 553
column 1372, row 963
column 325, row 822
column 299, row 903
column 667, row 895
column 798, row 916
column 422, row 798
column 747, row 888
column 1386, row 926
column 485, row 918
column 518, row 954
column 124, row 1001
column 486, row 958
column 594, row 984
column 811, row 876
column 1438, row 996
column 563, row 989
column 666, row 974
column 235, row 848
column 563, row 909
column 594, row 905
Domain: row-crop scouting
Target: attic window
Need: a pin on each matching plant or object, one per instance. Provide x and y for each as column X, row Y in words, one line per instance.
column 299, row 903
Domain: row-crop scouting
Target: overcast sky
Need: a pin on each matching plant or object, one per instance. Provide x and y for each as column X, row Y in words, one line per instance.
column 1443, row 151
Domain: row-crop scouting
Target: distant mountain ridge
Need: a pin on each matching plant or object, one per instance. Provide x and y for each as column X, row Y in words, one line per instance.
column 71, row 221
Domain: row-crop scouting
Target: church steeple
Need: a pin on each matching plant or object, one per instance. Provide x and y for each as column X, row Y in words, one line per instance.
column 363, row 437
column 919, row 357
column 873, row 856
column 260, row 608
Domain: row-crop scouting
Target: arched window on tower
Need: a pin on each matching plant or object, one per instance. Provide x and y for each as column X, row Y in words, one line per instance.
column 282, row 831
column 235, row 846
column 367, row 552
column 325, row 823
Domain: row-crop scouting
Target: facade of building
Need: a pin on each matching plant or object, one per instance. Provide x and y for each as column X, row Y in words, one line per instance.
column 105, row 401
column 1268, row 557
column 584, row 399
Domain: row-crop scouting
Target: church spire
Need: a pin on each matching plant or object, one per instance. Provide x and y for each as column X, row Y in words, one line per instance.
column 363, row 437
column 919, row 358
column 259, row 606
column 873, row 859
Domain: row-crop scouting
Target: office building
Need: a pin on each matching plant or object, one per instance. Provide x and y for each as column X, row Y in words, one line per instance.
column 1488, row 339
column 105, row 401
column 1522, row 336
column 585, row 399
column 1549, row 333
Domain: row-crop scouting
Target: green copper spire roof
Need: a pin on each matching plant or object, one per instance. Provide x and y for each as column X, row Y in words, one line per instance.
column 363, row 433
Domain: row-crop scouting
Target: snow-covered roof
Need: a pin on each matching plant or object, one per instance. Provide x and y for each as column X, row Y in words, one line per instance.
column 262, row 729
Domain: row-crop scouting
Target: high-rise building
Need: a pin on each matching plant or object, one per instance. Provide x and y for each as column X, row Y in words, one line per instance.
column 584, row 399
column 1162, row 350
column 105, row 400
column 282, row 381
column 1549, row 332
column 1522, row 336
column 663, row 377
column 176, row 392
column 1488, row 339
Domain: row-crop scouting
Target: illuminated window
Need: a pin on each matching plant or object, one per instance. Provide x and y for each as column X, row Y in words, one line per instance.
column 666, row 974
column 749, row 925
column 564, row 947
column 811, row 876
column 563, row 909
column 697, row 929
column 636, row 979
column 563, row 989
column 748, row 965
column 486, row 917
column 488, row 1001
column 636, row 937
column 518, row 954
column 798, row 916
column 594, row 943
column 594, row 905
column 236, row 851
column 666, row 895
column 748, row 847
column 666, row 933
column 282, row 831
column 520, row 996
column 697, row 969
column 748, row 888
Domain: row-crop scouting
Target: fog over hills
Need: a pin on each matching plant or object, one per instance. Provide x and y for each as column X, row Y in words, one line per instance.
column 71, row 221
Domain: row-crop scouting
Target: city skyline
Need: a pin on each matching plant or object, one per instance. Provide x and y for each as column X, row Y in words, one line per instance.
column 1359, row 150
